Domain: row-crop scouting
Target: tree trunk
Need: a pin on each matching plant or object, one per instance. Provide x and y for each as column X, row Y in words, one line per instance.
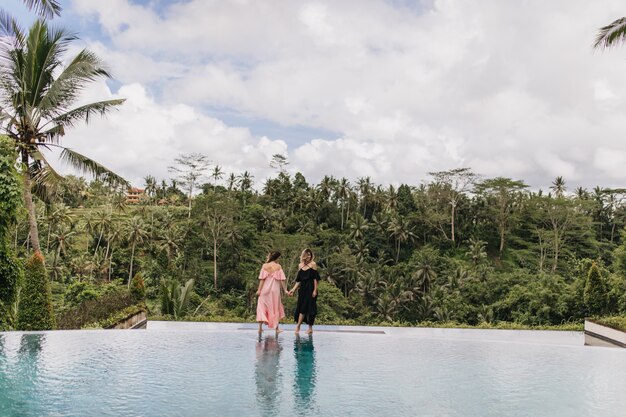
column 501, row 242
column 342, row 208
column 132, row 258
column 452, row 221
column 48, row 239
column 397, row 250
column 215, row 263
column 30, row 207
column 190, row 194
column 110, row 265
column 56, row 255
column 98, row 244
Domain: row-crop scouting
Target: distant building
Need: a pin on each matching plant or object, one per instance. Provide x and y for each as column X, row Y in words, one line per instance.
column 134, row 195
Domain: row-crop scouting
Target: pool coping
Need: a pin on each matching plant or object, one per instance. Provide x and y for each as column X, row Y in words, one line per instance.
column 543, row 337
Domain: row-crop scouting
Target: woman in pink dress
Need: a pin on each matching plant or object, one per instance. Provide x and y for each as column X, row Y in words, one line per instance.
column 269, row 309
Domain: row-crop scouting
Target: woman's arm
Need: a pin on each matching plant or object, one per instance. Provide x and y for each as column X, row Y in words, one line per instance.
column 314, row 288
column 258, row 292
column 295, row 287
column 284, row 285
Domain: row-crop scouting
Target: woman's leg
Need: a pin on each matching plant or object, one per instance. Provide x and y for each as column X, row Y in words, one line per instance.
column 310, row 331
column 300, row 319
column 260, row 326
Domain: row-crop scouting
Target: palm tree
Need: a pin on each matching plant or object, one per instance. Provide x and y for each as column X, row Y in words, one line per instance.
column 365, row 189
column 103, row 223
column 168, row 242
column 326, row 187
column 343, row 192
column 136, row 234
column 358, row 226
column 392, row 198
column 231, row 182
column 367, row 283
column 245, row 182
column 114, row 236
column 476, row 251
column 558, row 187
column 611, row 34
column 61, row 242
column 57, row 216
column 36, row 93
column 401, row 232
column 151, row 186
column 425, row 275
column 217, row 175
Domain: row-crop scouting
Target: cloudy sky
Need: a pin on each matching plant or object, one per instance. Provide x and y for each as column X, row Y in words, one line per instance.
column 390, row 89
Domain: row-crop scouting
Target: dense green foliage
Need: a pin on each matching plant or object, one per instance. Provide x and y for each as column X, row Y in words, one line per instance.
column 117, row 318
column 175, row 297
column 10, row 188
column 10, row 199
column 138, row 287
column 595, row 294
column 103, row 302
column 35, row 307
column 386, row 254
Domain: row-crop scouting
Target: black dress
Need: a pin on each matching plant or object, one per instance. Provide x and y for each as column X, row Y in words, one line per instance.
column 307, row 304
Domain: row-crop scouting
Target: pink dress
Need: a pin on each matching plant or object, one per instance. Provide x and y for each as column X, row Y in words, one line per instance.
column 269, row 308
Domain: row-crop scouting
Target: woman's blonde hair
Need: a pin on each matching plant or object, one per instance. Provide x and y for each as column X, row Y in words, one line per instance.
column 307, row 254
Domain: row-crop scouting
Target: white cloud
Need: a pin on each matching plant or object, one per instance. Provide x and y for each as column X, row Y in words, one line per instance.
column 507, row 88
column 143, row 137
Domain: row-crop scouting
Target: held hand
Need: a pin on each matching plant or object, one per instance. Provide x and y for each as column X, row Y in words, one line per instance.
column 258, row 292
column 314, row 293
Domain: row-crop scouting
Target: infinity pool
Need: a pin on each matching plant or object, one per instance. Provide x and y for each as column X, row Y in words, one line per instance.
column 197, row 369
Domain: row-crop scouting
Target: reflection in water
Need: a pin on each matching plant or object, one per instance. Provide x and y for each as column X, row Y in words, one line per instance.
column 31, row 344
column 267, row 373
column 304, row 384
column 29, row 354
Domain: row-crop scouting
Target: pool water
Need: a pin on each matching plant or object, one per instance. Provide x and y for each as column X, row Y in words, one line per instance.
column 196, row 369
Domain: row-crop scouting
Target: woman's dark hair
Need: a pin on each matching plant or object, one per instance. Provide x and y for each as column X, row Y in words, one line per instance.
column 307, row 252
column 272, row 256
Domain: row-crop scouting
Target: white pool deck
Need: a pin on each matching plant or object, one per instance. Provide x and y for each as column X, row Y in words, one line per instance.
column 542, row 337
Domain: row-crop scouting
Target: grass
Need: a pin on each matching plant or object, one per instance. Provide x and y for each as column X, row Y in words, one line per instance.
column 614, row 322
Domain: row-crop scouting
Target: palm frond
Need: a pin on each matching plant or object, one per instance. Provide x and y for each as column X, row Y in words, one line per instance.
column 612, row 34
column 44, row 8
column 85, row 165
column 87, row 111
column 46, row 180
column 84, row 68
column 10, row 30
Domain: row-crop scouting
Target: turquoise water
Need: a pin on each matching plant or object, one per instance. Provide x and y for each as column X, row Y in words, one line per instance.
column 221, row 370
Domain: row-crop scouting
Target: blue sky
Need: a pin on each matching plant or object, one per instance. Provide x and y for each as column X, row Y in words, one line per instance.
column 391, row 89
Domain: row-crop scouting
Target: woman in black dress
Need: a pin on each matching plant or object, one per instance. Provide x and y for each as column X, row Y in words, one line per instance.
column 306, row 283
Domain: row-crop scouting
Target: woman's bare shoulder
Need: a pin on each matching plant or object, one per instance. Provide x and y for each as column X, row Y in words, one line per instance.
column 313, row 265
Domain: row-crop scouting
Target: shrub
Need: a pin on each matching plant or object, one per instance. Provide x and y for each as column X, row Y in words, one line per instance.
column 93, row 311
column 595, row 294
column 174, row 298
column 10, row 189
column 116, row 318
column 35, row 308
column 10, row 200
column 138, row 287
column 78, row 292
column 232, row 281
column 10, row 273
